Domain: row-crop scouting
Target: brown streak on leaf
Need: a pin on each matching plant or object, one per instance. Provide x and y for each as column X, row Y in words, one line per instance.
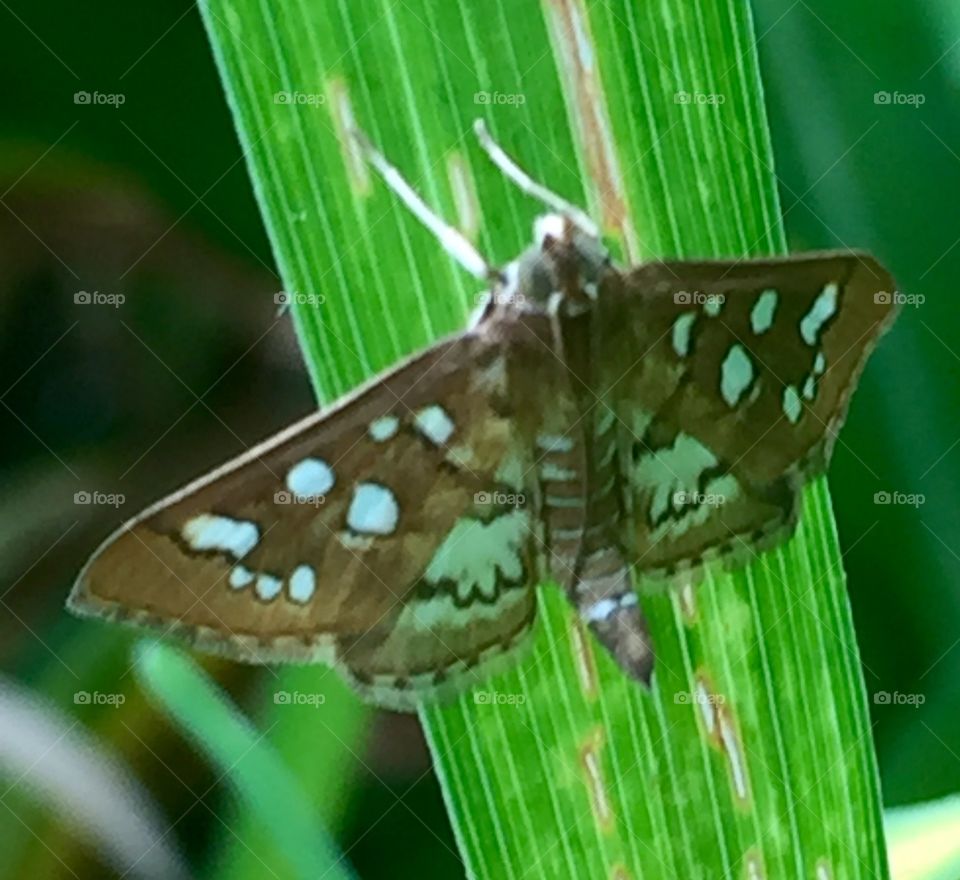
column 687, row 601
column 583, row 659
column 593, row 771
column 464, row 195
column 344, row 121
column 754, row 865
column 573, row 45
column 720, row 728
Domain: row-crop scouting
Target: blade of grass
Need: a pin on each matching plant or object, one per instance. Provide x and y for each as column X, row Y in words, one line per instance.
column 753, row 752
column 262, row 781
column 319, row 736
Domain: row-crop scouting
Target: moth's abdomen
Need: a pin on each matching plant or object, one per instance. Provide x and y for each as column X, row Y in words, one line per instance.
column 562, row 478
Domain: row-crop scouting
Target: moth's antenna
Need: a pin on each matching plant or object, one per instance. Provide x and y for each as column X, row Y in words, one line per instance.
column 454, row 242
column 526, row 183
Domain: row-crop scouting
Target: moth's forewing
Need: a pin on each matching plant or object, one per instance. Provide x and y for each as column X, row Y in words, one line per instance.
column 731, row 383
column 438, row 588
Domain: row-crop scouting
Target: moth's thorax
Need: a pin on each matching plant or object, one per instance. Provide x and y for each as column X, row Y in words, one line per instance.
column 559, row 273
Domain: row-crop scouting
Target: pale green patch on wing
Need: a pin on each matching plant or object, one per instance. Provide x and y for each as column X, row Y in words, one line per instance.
column 762, row 314
column 680, row 333
column 823, row 309
column 476, row 554
column 736, row 374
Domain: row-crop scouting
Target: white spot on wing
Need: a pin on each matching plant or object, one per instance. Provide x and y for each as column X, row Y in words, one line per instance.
column 434, row 423
column 761, row 317
column 712, row 306
column 605, row 420
column 302, row 584
column 792, row 406
column 555, row 443
column 810, row 388
column 373, row 510
column 736, row 374
column 681, row 333
column 240, row 577
column 823, row 309
column 552, row 473
column 268, row 587
column 383, row 428
column 310, row 477
column 210, row 532
column 512, row 471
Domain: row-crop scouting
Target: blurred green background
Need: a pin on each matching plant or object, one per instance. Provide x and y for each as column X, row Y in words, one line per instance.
column 150, row 201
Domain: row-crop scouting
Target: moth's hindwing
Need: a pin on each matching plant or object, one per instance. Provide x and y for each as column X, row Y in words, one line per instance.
column 391, row 538
column 732, row 383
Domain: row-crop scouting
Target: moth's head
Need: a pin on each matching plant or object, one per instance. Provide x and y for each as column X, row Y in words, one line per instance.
column 559, row 271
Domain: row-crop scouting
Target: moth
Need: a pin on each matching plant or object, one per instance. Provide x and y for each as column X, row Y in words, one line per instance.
column 592, row 425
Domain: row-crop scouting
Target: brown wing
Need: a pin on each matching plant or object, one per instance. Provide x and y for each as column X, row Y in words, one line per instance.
column 733, row 380
column 390, row 537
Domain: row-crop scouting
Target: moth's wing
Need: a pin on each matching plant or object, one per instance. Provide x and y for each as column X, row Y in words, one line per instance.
column 733, row 381
column 390, row 537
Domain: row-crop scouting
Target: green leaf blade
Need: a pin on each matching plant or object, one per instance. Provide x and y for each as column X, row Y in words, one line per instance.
column 589, row 776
